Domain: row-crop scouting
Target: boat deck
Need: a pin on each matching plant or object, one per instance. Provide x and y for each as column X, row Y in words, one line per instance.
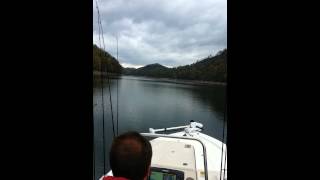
column 174, row 155
column 213, row 148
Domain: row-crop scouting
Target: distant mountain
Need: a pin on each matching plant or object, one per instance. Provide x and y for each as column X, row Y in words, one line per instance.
column 108, row 62
column 212, row 68
column 128, row 70
column 153, row 70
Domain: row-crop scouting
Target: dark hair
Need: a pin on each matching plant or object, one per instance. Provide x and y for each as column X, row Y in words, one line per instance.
column 130, row 156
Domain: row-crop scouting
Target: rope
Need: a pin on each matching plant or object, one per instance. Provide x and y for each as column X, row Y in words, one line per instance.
column 223, row 133
column 222, row 150
column 117, row 95
column 225, row 162
column 108, row 78
column 94, row 160
column 226, row 119
column 102, row 89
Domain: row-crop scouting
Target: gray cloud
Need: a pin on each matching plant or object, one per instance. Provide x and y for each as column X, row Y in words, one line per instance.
column 168, row 32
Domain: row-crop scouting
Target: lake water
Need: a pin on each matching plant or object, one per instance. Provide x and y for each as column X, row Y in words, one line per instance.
column 145, row 103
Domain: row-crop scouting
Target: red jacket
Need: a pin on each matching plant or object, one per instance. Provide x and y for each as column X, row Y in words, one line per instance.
column 113, row 178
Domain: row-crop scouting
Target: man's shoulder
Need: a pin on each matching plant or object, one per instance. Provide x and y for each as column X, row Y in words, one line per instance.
column 112, row 178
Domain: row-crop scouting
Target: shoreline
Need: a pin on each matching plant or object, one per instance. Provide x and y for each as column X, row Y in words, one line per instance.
column 97, row 73
column 189, row 82
column 170, row 80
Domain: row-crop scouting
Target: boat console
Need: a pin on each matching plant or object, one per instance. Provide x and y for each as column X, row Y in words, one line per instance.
column 165, row 174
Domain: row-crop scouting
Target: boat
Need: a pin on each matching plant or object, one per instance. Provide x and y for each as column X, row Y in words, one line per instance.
column 187, row 154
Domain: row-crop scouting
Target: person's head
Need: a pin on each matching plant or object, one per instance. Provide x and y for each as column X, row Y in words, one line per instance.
column 130, row 156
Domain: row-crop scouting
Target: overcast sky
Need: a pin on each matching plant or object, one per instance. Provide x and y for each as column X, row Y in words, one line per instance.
column 169, row 32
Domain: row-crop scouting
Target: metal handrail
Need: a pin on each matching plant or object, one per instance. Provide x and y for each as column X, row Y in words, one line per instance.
column 188, row 138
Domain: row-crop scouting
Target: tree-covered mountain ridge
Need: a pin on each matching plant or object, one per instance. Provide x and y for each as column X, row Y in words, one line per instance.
column 103, row 61
column 212, row 68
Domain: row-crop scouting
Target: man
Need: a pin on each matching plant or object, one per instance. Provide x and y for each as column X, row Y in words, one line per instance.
column 130, row 157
